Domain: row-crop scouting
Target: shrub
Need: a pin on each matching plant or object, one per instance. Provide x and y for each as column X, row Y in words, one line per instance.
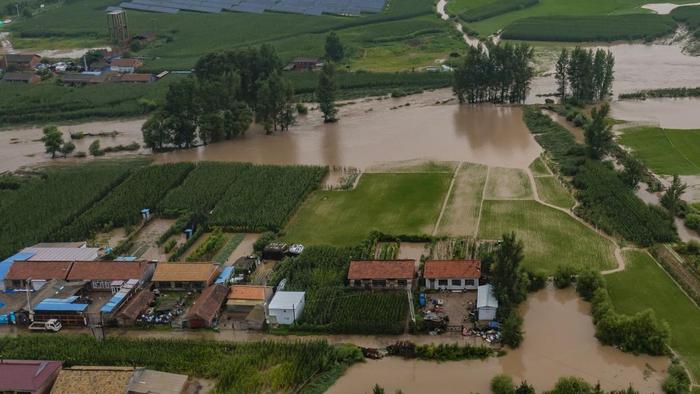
column 692, row 221
column 588, row 282
column 77, row 135
column 512, row 330
column 302, row 109
column 265, row 239
column 677, row 381
column 564, row 276
column 502, row 384
column 537, row 281
column 571, row 385
column 94, row 148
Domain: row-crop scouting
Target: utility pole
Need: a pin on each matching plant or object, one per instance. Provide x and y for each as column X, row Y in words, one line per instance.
column 17, row 6
column 29, row 303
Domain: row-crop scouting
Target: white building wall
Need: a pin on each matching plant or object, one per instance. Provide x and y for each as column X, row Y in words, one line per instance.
column 487, row 313
column 287, row 316
column 452, row 284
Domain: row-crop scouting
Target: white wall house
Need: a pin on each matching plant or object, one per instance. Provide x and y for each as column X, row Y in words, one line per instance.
column 452, row 274
column 286, row 307
column 486, row 303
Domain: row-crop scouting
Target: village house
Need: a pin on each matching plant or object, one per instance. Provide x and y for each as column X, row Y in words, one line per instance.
column 20, row 62
column 242, row 298
column 286, row 307
column 28, row 376
column 137, row 78
column 205, row 310
column 82, row 78
column 486, row 303
column 184, row 276
column 452, row 274
column 382, row 274
column 110, row 275
column 49, row 252
column 123, row 65
column 129, row 313
column 21, row 77
column 21, row 273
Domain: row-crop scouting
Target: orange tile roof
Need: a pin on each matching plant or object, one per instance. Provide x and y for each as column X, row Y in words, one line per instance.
column 107, row 270
column 382, row 269
column 446, row 269
column 208, row 303
column 39, row 270
column 248, row 292
column 185, row 272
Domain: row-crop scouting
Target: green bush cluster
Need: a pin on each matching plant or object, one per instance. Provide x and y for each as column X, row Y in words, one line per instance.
column 208, row 248
column 677, row 381
column 590, row 28
column 440, row 352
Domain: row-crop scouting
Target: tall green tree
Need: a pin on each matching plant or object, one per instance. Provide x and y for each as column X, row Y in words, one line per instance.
column 671, row 200
column 508, row 279
column 633, row 172
column 67, row 148
column 325, row 93
column 598, row 133
column 560, row 74
column 334, row 48
column 53, row 140
column 156, row 131
column 275, row 101
column 211, row 127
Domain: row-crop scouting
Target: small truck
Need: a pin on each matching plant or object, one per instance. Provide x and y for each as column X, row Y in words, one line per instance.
column 52, row 325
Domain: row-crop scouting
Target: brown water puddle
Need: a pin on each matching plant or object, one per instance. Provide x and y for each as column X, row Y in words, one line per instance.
column 680, row 113
column 559, row 341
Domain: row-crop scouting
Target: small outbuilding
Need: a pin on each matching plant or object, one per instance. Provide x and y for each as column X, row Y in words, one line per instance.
column 21, row 77
column 132, row 309
column 89, row 379
column 148, row 381
column 286, row 307
column 20, row 61
column 382, row 274
column 486, row 303
column 243, row 298
column 123, row 65
column 185, row 276
column 205, row 310
column 452, row 274
column 28, row 376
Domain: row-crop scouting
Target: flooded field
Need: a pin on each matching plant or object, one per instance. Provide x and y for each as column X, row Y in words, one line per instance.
column 669, row 113
column 559, row 341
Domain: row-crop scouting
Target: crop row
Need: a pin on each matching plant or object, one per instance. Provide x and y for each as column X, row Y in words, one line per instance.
column 254, row 367
column 45, row 203
column 689, row 15
column 590, row 28
column 123, row 205
column 265, row 197
column 499, row 7
column 354, row 311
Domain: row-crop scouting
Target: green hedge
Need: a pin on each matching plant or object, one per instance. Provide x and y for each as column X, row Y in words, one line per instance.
column 496, row 8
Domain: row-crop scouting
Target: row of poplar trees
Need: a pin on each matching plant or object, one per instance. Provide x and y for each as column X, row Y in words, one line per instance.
column 584, row 75
column 497, row 74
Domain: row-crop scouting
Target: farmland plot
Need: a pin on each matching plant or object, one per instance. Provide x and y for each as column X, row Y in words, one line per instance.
column 551, row 191
column 462, row 209
column 507, row 183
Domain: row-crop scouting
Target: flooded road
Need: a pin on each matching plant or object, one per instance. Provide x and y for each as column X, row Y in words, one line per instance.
column 559, row 341
column 669, row 113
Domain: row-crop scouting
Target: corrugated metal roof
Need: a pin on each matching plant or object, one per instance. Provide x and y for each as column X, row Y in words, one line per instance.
column 485, row 297
column 7, row 263
column 62, row 254
column 224, row 276
column 286, row 299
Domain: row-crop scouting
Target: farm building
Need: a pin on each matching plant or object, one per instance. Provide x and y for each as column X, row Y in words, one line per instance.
column 382, row 274
column 68, row 311
column 37, row 272
column 304, row 64
column 286, row 307
column 125, row 65
column 19, row 61
column 133, row 308
column 21, row 77
column 205, row 310
column 41, row 253
column 452, row 274
column 89, row 379
column 82, row 79
column 243, row 298
column 148, row 381
column 28, row 376
column 7, row 263
column 110, row 275
column 275, row 251
column 184, row 276
column 486, row 303
column 137, row 78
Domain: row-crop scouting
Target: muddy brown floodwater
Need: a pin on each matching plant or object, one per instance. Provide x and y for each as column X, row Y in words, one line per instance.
column 559, row 341
column 670, row 113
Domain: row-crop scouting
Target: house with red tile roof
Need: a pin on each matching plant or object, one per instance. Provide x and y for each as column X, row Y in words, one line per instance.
column 452, row 274
column 205, row 310
column 107, row 275
column 28, row 376
column 382, row 274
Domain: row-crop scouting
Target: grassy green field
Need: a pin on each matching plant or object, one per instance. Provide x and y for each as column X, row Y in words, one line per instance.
column 551, row 191
column 551, row 238
column 392, row 203
column 462, row 209
column 505, row 183
column 665, row 151
column 538, row 168
column 183, row 38
column 643, row 284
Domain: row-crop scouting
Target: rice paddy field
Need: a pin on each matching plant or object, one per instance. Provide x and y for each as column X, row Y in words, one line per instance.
column 551, row 237
column 665, row 151
column 644, row 284
column 551, row 191
column 406, row 203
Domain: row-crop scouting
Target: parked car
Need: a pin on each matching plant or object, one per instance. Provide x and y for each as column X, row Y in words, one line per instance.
column 51, row 325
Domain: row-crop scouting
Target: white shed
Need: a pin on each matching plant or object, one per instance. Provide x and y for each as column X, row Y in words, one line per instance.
column 286, row 307
column 486, row 303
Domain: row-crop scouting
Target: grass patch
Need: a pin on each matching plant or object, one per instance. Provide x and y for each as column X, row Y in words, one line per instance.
column 553, row 192
column 551, row 238
column 462, row 210
column 494, row 9
column 665, row 151
column 391, row 203
column 506, row 183
column 538, row 168
column 643, row 284
column 414, row 166
column 590, row 28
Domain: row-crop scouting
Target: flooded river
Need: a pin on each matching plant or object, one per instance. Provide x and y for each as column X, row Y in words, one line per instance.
column 559, row 341
column 680, row 113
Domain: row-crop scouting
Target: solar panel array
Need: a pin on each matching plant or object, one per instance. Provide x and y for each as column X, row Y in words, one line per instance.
column 307, row 7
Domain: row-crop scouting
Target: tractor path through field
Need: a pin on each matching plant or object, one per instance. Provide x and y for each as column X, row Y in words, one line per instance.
column 447, row 198
column 616, row 252
column 473, row 42
column 481, row 207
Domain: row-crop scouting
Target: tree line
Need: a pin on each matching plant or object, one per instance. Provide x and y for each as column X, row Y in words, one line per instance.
column 501, row 74
column 584, row 75
column 226, row 92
